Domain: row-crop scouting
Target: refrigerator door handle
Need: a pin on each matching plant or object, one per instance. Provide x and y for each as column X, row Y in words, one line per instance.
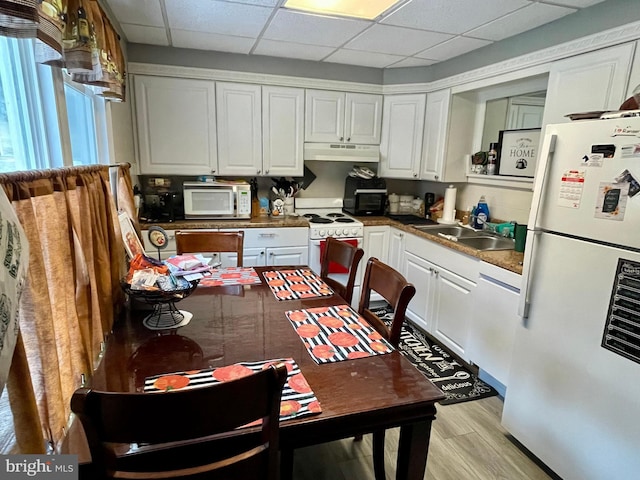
column 527, row 273
column 548, row 147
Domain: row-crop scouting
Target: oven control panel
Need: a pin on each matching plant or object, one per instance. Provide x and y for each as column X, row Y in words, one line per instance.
column 336, row 231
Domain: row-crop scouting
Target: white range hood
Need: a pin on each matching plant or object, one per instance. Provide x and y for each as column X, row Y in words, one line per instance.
column 342, row 152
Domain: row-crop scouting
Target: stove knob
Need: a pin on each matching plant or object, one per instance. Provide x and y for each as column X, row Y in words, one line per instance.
column 338, row 232
column 322, row 233
column 331, row 232
column 354, row 231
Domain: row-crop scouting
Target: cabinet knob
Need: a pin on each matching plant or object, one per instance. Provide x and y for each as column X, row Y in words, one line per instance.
column 435, row 176
column 266, row 172
column 348, row 139
column 341, row 139
column 271, row 254
column 258, row 172
column 213, row 171
column 262, row 253
column 401, row 235
column 415, row 174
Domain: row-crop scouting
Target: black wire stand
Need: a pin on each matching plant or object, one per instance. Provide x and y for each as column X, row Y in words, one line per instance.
column 165, row 314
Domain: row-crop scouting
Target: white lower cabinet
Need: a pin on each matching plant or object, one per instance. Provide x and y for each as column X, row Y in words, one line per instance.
column 396, row 248
column 444, row 281
column 375, row 244
column 272, row 246
column 495, row 319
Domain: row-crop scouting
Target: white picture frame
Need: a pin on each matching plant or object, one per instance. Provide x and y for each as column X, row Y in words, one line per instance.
column 518, row 152
column 132, row 243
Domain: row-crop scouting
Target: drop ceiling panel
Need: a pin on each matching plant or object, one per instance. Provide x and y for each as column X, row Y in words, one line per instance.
column 452, row 48
column 211, row 41
column 139, row 12
column 395, row 40
column 274, row 48
column 144, row 34
column 212, row 16
column 365, row 59
column 520, row 21
column 412, row 62
column 290, row 26
column 451, row 16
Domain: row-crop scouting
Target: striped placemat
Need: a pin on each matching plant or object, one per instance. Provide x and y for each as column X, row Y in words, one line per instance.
column 297, row 397
column 295, row 284
column 336, row 333
column 230, row 276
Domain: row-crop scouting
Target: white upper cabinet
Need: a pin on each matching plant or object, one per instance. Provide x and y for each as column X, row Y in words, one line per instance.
column 435, row 135
column 402, row 129
column 176, row 125
column 239, row 107
column 334, row 117
column 588, row 82
column 282, row 131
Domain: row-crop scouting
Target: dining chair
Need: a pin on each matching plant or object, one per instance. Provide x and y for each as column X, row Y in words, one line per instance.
column 340, row 257
column 202, row 241
column 395, row 289
column 194, row 433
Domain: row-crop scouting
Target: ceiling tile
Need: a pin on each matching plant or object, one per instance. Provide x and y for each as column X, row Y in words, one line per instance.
column 139, row 12
column 412, row 62
column 517, row 22
column 452, row 48
column 212, row 16
column 395, row 40
column 292, row 50
column 573, row 3
column 365, row 59
column 451, row 16
column 211, row 41
column 144, row 34
column 290, row 26
column 264, row 3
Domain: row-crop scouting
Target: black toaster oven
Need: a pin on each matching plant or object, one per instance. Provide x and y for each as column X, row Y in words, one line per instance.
column 364, row 196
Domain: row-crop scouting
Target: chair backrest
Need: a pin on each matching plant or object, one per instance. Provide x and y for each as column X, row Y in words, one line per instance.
column 185, row 432
column 346, row 256
column 199, row 242
column 394, row 288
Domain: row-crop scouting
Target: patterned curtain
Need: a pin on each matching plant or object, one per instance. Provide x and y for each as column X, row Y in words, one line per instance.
column 71, row 34
column 69, row 303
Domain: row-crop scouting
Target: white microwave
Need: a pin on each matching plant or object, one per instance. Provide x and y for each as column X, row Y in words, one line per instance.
column 216, row 200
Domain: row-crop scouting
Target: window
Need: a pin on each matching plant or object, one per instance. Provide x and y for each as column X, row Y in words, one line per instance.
column 36, row 130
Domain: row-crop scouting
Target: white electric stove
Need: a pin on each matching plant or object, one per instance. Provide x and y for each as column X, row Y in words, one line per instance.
column 326, row 219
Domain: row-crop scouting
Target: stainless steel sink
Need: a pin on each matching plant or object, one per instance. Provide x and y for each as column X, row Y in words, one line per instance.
column 471, row 238
column 453, row 230
column 487, row 242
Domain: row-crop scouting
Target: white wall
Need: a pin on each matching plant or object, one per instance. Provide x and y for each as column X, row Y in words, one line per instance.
column 504, row 203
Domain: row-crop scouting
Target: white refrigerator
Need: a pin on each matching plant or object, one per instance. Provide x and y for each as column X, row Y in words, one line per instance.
column 573, row 395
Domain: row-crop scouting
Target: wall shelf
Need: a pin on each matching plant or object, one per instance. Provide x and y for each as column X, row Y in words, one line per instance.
column 522, row 183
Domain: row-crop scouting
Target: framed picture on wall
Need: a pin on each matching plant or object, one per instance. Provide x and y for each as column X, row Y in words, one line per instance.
column 518, row 152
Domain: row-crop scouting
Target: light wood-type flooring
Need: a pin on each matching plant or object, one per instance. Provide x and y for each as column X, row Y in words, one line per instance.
column 467, row 443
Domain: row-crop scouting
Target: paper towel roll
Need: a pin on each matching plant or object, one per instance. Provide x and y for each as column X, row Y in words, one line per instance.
column 449, row 209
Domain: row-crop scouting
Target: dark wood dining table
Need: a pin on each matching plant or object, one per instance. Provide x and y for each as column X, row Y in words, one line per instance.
column 245, row 323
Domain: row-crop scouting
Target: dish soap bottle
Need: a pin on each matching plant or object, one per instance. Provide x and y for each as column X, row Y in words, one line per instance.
column 481, row 215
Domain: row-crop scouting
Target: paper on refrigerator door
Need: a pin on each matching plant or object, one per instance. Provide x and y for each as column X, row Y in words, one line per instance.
column 571, row 188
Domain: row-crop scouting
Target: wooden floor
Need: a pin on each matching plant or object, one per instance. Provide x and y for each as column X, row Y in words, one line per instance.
column 467, row 443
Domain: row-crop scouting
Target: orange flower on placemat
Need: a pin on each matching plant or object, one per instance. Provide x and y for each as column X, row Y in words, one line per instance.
column 231, row 372
column 171, row 382
column 343, row 339
column 331, row 322
column 299, row 384
column 300, row 287
column 289, row 407
column 298, row 316
column 354, row 355
column 308, row 331
column 323, row 351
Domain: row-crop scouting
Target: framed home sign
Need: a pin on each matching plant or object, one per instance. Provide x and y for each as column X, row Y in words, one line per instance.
column 518, row 152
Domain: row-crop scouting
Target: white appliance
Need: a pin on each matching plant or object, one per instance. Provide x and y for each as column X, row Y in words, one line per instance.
column 326, row 219
column 213, row 200
column 573, row 395
column 341, row 152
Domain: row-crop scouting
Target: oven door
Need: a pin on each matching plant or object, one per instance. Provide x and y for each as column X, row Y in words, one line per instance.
column 316, row 248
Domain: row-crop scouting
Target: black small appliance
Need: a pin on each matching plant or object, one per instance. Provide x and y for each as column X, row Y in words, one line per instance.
column 163, row 207
column 364, row 196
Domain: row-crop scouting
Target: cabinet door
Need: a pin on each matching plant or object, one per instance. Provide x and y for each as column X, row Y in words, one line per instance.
column 251, row 257
column 363, row 117
column 401, row 141
column 239, row 128
column 288, row 255
column 282, row 131
column 451, row 310
column 324, row 116
column 589, row 82
column 493, row 326
column 176, row 125
column 396, row 249
column 420, row 272
column 435, row 135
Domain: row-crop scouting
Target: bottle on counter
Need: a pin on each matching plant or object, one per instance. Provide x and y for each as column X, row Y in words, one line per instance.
column 481, row 214
column 492, row 159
